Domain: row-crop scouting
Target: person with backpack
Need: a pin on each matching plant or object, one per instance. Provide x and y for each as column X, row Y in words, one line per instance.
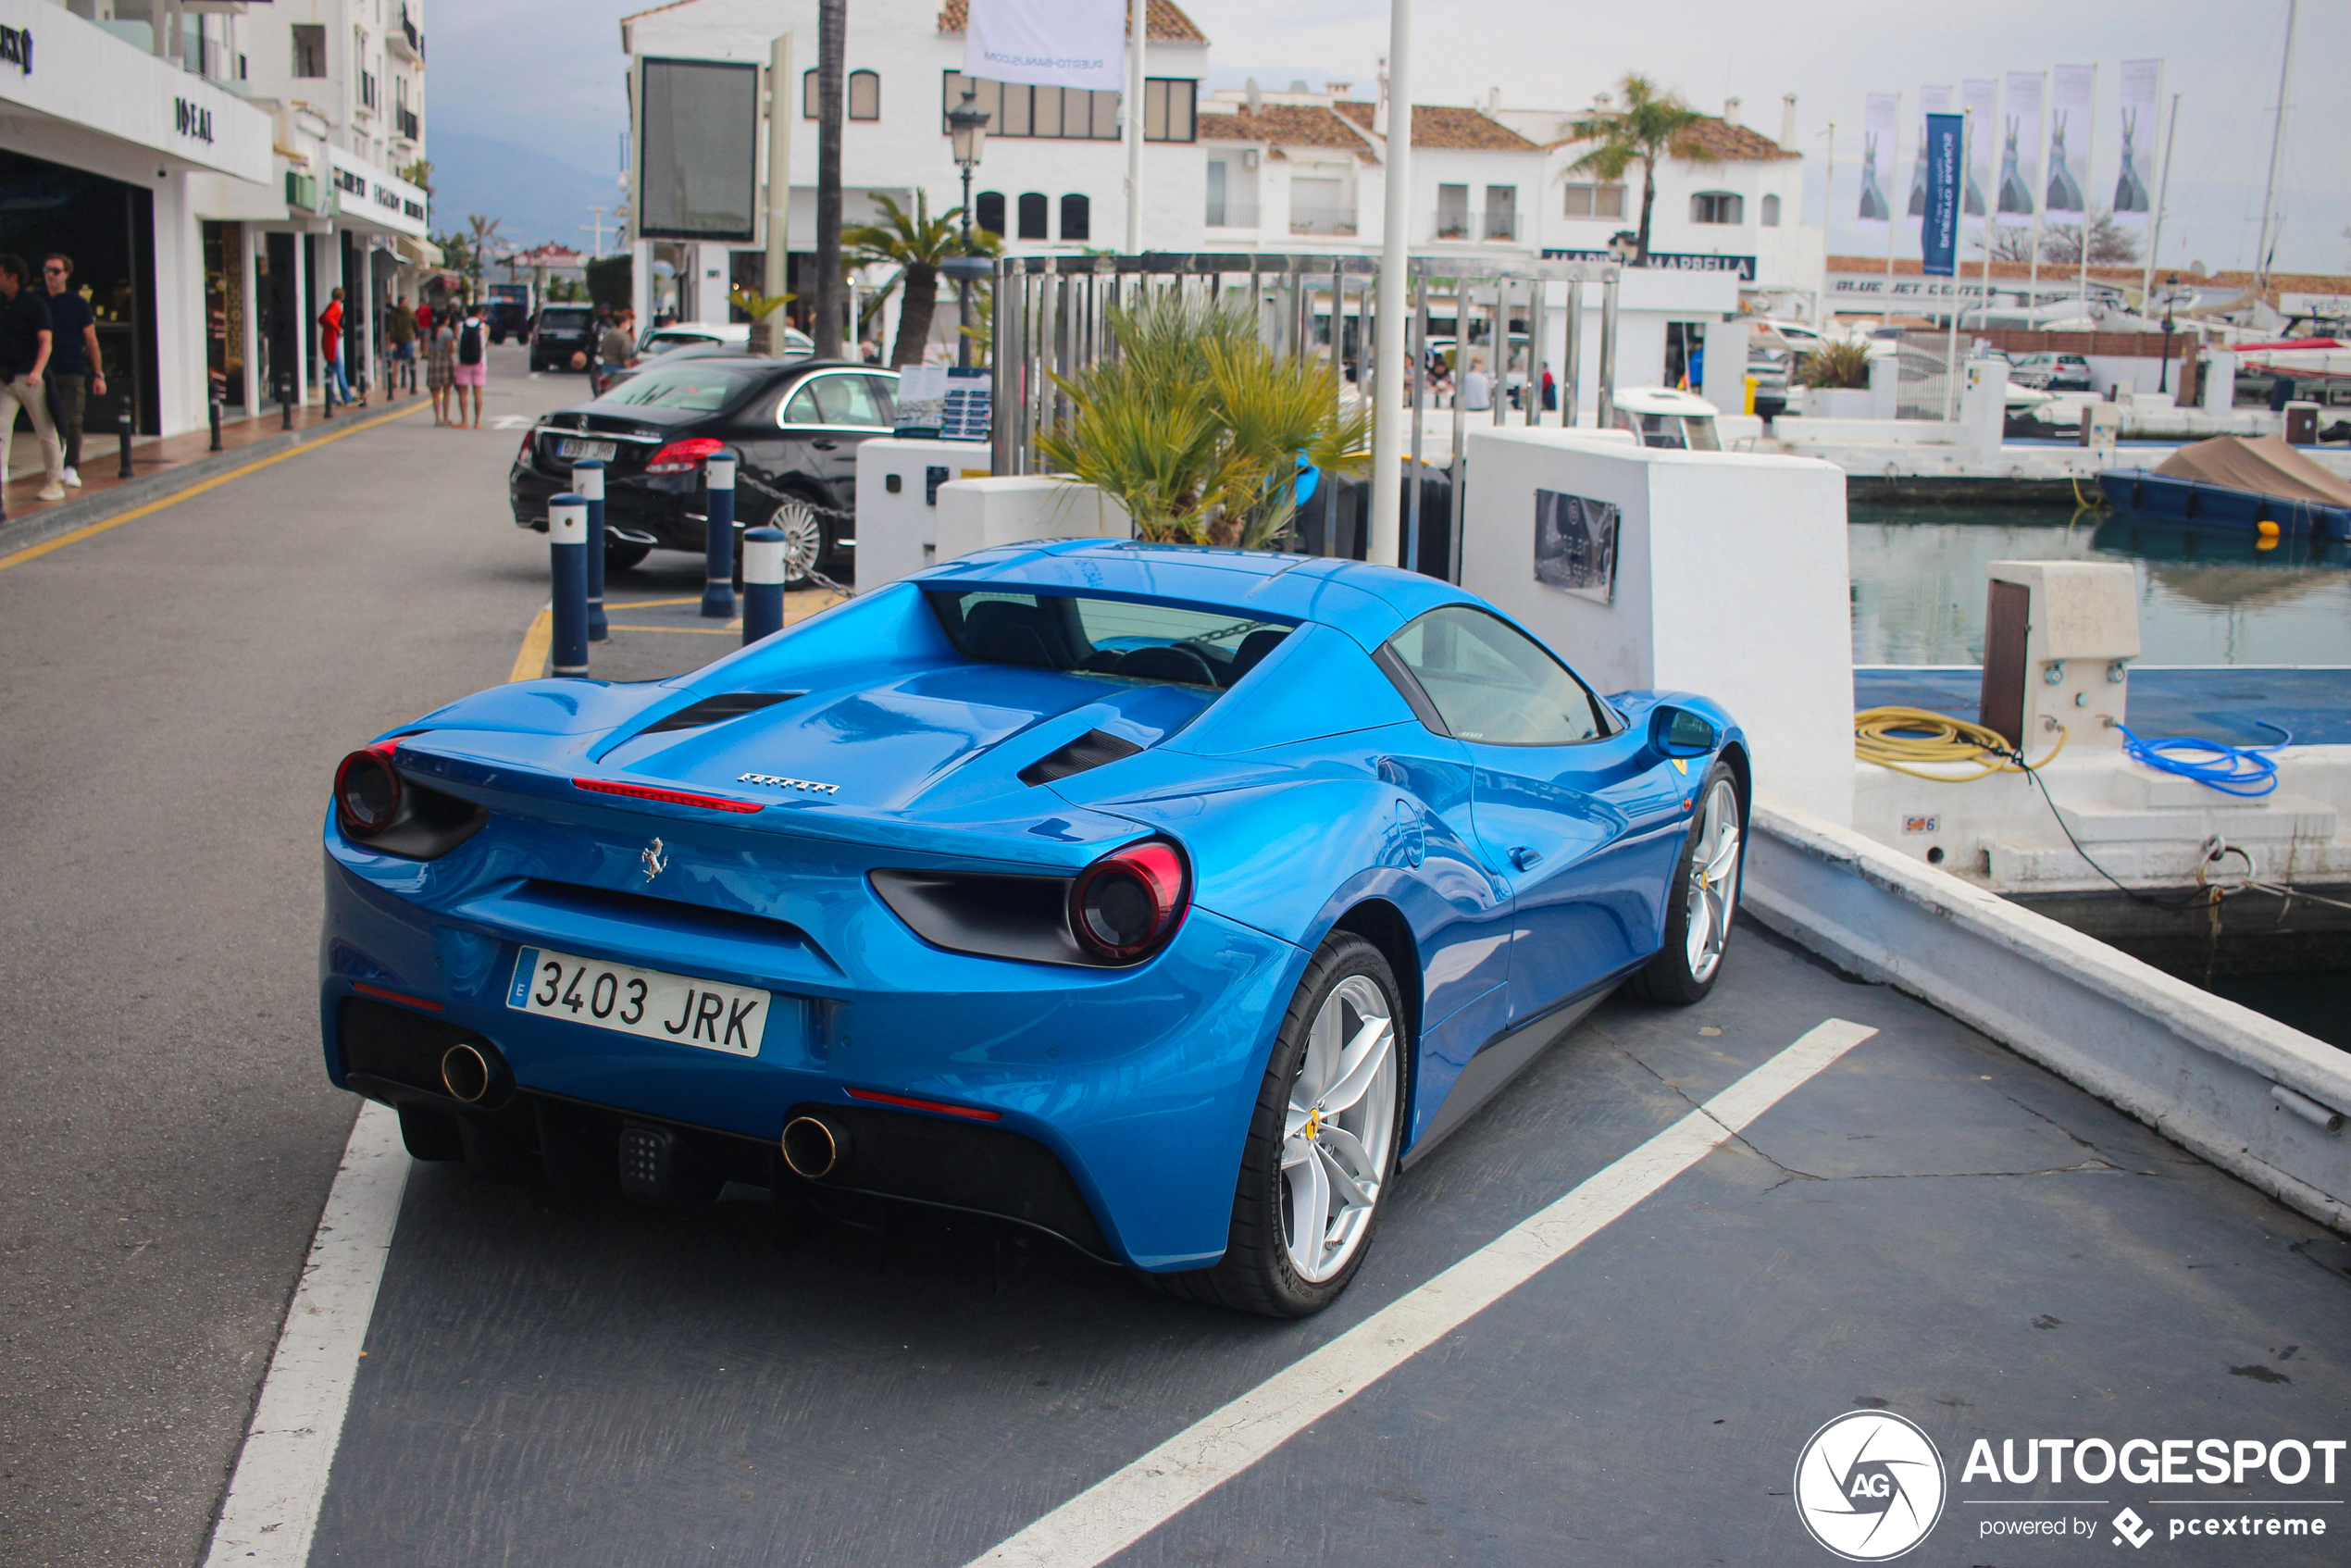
column 473, row 364
column 330, row 351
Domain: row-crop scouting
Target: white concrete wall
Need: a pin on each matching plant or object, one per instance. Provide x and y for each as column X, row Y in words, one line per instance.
column 898, row 533
column 982, row 514
column 1731, row 581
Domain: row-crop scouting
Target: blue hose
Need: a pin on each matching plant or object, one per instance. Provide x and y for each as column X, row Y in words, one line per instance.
column 2233, row 770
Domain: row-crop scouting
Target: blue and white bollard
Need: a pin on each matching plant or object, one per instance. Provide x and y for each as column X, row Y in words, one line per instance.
column 567, row 549
column 718, row 479
column 588, row 483
column 763, row 584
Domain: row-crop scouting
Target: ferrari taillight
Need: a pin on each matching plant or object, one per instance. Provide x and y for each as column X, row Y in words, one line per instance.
column 683, row 456
column 1126, row 906
column 367, row 792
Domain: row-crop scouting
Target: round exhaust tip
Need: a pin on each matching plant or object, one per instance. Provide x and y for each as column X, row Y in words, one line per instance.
column 813, row 1149
column 465, row 1073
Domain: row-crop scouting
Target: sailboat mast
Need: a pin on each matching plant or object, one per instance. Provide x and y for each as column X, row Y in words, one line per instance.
column 2277, row 135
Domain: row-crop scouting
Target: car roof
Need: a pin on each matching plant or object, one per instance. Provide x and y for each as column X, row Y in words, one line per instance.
column 1370, row 603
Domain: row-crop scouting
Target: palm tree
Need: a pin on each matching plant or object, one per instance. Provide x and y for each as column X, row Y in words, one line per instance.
column 917, row 243
column 482, row 231
column 1649, row 126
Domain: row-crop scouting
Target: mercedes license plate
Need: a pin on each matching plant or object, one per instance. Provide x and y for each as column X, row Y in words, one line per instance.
column 646, row 1002
column 573, row 446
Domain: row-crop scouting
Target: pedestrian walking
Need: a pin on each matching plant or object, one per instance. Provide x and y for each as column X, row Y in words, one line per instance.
column 618, row 347
column 440, row 369
column 400, row 327
column 472, row 372
column 25, row 342
column 77, row 370
column 330, row 351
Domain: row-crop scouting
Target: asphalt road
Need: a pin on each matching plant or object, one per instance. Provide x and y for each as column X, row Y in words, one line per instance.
column 174, row 694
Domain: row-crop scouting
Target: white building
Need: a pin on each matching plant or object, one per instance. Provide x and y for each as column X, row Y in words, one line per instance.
column 214, row 170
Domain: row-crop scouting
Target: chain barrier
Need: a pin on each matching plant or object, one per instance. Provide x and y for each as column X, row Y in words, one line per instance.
column 809, row 574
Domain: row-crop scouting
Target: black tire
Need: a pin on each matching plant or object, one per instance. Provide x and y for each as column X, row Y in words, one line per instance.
column 620, row 557
column 1669, row 978
column 1256, row 1274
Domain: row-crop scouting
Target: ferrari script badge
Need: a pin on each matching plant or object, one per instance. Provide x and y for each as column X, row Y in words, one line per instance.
column 777, row 781
column 652, row 861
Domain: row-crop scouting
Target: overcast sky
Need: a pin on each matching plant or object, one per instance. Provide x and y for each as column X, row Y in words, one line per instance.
column 547, row 74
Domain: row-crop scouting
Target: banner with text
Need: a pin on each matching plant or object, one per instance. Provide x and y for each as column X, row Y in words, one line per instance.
column 1931, row 101
column 1047, row 42
column 1879, row 117
column 2072, row 94
column 1939, row 240
column 2020, row 150
column 1980, row 97
column 2142, row 93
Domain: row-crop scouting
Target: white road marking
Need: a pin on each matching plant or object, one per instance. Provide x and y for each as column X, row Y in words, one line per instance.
column 512, row 422
column 272, row 1506
column 1113, row 1514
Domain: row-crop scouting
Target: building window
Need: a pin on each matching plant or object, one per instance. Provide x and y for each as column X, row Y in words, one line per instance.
column 1453, row 212
column 988, row 211
column 309, row 49
column 1716, row 206
column 1076, row 215
column 1502, row 212
column 1169, row 103
column 1035, row 216
column 1771, row 212
column 1595, row 200
column 865, row 94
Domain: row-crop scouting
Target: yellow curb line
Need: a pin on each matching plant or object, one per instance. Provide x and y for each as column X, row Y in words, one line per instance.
column 530, row 662
column 33, row 550
column 653, row 603
column 732, row 628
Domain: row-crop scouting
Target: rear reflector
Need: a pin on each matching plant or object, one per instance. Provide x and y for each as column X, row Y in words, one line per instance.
column 382, row 995
column 967, row 1111
column 672, row 797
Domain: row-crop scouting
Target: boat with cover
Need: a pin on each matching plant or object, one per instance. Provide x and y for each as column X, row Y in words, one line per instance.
column 2239, row 483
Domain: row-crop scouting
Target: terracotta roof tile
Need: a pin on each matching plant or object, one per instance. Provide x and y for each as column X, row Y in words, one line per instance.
column 1443, row 126
column 1291, row 125
column 1728, row 142
column 1165, row 21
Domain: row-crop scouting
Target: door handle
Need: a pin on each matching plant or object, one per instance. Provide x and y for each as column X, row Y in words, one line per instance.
column 824, row 446
column 1524, row 857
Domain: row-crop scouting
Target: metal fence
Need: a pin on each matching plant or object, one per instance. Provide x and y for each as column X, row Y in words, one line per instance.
column 1052, row 318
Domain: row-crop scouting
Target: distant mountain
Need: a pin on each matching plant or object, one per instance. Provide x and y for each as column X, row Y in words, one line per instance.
column 535, row 197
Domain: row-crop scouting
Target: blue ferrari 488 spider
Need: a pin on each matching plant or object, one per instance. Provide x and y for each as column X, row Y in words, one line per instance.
column 1167, row 900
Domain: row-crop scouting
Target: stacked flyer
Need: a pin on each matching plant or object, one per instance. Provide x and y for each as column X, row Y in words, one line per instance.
column 945, row 402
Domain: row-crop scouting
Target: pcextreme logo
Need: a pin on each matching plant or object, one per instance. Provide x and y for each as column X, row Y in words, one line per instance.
column 1870, row 1486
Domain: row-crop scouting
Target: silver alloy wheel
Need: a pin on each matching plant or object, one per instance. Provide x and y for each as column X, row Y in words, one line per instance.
column 1713, row 895
column 1336, row 1137
column 803, row 537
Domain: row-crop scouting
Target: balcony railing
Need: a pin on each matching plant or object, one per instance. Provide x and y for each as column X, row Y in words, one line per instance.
column 1501, row 228
column 408, row 41
column 1232, row 215
column 1321, row 219
column 404, row 119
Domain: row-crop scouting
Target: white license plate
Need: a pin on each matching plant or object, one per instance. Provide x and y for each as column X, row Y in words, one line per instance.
column 646, row 1002
column 573, row 446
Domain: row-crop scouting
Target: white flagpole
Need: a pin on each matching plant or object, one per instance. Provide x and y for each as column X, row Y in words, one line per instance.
column 2089, row 179
column 1135, row 28
column 1388, row 370
column 2162, row 195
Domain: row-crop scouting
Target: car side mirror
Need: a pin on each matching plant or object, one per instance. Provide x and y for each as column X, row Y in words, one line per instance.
column 1677, row 732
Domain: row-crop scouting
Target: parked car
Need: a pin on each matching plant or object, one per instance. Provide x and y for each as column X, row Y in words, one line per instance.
column 1165, row 900
column 560, row 331
column 2053, row 372
column 794, row 425
column 605, row 377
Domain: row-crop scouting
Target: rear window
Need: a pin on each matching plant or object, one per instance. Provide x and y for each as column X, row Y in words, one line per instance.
column 675, row 340
column 1122, row 638
column 691, row 385
column 564, row 320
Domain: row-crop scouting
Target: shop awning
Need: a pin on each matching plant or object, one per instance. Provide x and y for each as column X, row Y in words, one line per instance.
column 417, row 253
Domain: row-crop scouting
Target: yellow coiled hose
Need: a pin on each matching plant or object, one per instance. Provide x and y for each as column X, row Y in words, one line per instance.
column 1898, row 738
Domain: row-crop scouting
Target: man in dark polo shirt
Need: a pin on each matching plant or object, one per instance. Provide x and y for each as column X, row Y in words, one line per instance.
column 77, row 370
column 24, row 355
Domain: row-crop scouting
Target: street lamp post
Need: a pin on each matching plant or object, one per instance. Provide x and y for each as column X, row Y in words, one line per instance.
column 967, row 132
column 2163, row 376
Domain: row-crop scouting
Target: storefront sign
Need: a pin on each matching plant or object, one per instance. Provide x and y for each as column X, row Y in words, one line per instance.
column 191, row 119
column 367, row 194
column 96, row 94
column 15, row 48
column 1875, row 288
column 1668, row 261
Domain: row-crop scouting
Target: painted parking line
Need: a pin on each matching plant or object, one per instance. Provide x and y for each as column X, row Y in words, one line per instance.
column 531, row 659
column 1113, row 1514
column 272, row 1506
column 33, row 551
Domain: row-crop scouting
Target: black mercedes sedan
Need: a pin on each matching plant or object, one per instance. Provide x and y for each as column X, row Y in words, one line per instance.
column 794, row 426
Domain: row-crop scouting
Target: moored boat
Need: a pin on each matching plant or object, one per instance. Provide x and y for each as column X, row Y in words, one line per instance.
column 2258, row 483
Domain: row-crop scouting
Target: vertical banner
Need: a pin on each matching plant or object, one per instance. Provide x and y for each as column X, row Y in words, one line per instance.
column 1878, row 120
column 2142, row 90
column 1931, row 101
column 2073, row 89
column 1981, row 98
column 1047, row 42
column 1939, row 239
column 2020, row 151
